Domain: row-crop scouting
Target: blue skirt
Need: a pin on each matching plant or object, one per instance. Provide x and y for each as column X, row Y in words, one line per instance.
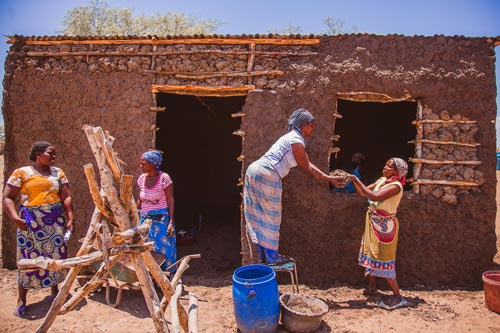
column 158, row 234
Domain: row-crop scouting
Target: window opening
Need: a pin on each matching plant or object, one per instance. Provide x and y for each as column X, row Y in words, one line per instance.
column 377, row 130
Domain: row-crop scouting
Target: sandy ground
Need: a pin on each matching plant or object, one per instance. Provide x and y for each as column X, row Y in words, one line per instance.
column 446, row 310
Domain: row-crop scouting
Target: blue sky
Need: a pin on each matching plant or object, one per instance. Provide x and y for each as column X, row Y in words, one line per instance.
column 471, row 18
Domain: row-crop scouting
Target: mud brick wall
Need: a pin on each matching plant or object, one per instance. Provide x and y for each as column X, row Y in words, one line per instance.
column 447, row 233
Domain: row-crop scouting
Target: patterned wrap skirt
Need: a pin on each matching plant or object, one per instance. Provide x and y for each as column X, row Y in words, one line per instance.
column 167, row 246
column 262, row 205
column 379, row 244
column 44, row 238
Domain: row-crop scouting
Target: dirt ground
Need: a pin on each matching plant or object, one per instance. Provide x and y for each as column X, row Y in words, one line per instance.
column 444, row 310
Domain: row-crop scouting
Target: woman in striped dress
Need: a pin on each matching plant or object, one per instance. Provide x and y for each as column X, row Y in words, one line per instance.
column 263, row 188
column 156, row 202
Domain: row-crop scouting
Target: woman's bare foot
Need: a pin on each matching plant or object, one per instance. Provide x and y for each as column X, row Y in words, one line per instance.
column 370, row 292
column 392, row 301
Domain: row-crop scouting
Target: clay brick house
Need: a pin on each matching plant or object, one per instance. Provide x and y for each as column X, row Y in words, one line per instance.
column 216, row 103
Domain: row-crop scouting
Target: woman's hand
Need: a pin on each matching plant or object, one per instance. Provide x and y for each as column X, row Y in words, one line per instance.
column 337, row 181
column 70, row 225
column 21, row 224
column 353, row 178
column 170, row 229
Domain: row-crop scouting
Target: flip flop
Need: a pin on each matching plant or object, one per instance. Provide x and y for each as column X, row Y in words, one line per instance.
column 382, row 305
column 401, row 304
column 20, row 311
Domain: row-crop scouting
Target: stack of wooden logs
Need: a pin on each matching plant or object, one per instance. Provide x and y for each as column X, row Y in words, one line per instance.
column 115, row 229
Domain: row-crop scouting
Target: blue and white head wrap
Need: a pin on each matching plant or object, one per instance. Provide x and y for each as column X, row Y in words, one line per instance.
column 299, row 117
column 154, row 157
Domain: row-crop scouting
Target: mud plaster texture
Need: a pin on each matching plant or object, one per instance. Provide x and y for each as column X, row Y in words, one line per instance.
column 442, row 241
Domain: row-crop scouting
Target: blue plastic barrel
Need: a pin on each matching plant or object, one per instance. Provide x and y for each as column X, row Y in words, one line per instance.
column 256, row 299
column 498, row 160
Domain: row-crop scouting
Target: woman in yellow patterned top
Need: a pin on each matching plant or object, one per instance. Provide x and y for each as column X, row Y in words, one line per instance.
column 40, row 221
column 380, row 240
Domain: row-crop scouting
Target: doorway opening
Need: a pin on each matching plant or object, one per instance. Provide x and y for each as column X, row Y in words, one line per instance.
column 200, row 155
column 377, row 130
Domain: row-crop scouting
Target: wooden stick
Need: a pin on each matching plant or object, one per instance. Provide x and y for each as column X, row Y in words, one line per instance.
column 133, row 248
column 446, row 143
column 188, row 89
column 127, row 199
column 417, row 169
column 182, row 267
column 224, row 74
column 70, row 277
column 157, row 108
column 126, row 184
column 103, row 156
column 193, row 313
column 425, row 161
column 239, row 133
column 88, row 169
column 166, row 288
column 444, row 182
column 238, row 114
column 165, row 53
column 166, row 297
column 58, row 264
column 174, row 317
column 439, row 121
column 149, row 292
column 120, row 237
column 251, row 59
column 98, row 279
column 371, row 97
column 279, row 40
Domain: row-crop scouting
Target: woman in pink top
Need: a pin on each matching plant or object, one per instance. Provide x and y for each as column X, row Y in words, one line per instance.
column 156, row 202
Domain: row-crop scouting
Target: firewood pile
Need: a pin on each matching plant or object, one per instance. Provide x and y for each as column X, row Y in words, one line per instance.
column 115, row 229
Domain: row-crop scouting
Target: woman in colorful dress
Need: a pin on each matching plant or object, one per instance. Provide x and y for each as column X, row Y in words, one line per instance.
column 380, row 240
column 44, row 215
column 156, row 202
column 263, row 187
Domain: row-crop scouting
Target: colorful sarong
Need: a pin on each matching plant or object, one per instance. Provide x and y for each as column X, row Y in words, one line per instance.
column 158, row 234
column 378, row 246
column 44, row 238
column 262, row 205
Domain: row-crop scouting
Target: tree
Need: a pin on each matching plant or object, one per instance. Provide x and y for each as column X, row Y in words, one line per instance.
column 99, row 19
column 290, row 29
column 336, row 26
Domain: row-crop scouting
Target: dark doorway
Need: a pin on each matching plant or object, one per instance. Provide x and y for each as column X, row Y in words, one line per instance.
column 200, row 155
column 379, row 131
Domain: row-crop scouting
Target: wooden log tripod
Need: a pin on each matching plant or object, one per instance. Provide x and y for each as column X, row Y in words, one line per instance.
column 115, row 209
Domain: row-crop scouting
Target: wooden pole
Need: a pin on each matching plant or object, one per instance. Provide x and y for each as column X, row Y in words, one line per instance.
column 193, row 313
column 98, row 279
column 58, row 264
column 174, row 317
column 436, row 162
column 443, row 182
column 88, row 169
column 150, row 296
column 70, row 278
column 417, row 168
column 127, row 199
